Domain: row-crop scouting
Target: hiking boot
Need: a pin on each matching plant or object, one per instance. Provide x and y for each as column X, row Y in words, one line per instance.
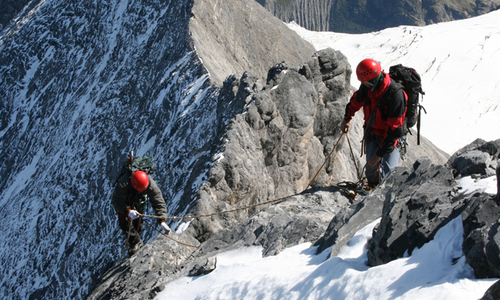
column 135, row 246
column 370, row 186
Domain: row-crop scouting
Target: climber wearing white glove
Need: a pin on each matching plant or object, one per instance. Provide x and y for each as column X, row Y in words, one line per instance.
column 132, row 193
column 133, row 214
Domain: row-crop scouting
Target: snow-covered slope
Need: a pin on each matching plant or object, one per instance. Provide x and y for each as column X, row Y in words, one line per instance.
column 81, row 84
column 458, row 62
column 299, row 273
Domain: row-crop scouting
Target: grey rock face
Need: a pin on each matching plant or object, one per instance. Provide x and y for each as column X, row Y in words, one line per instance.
column 142, row 275
column 278, row 145
column 421, row 200
column 471, row 162
column 82, row 83
column 498, row 183
column 299, row 219
column 481, row 237
column 417, row 203
column 348, row 221
column 479, row 158
column 232, row 37
column 275, row 148
column 493, row 293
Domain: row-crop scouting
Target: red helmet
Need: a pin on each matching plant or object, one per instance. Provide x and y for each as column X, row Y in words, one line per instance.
column 368, row 69
column 140, row 181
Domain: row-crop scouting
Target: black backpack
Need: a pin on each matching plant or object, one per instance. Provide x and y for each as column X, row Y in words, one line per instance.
column 412, row 85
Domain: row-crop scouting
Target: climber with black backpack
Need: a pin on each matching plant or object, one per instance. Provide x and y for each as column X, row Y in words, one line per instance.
column 383, row 101
column 412, row 85
column 134, row 188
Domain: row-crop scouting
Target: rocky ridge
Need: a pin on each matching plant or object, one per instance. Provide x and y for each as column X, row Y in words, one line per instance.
column 412, row 203
column 289, row 128
column 85, row 82
column 271, row 151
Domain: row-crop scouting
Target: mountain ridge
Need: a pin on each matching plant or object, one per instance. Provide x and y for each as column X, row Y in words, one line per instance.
column 368, row 16
column 86, row 86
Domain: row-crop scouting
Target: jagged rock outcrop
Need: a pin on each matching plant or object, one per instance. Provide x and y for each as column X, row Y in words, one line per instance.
column 435, row 196
column 366, row 16
column 298, row 219
column 425, row 190
column 498, row 183
column 480, row 218
column 493, row 293
column 414, row 203
column 140, row 276
column 479, row 158
column 481, row 237
column 276, row 148
column 82, row 83
column 348, row 221
column 270, row 152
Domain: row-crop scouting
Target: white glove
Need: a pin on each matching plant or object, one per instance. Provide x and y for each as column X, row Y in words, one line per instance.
column 165, row 227
column 133, row 214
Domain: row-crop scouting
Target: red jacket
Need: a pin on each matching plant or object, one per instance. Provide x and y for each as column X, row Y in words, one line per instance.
column 390, row 114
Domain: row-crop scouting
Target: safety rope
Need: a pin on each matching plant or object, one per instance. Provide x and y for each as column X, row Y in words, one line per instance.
column 126, row 241
column 162, row 233
column 360, row 175
column 359, row 185
column 250, row 206
column 216, row 213
column 312, row 180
